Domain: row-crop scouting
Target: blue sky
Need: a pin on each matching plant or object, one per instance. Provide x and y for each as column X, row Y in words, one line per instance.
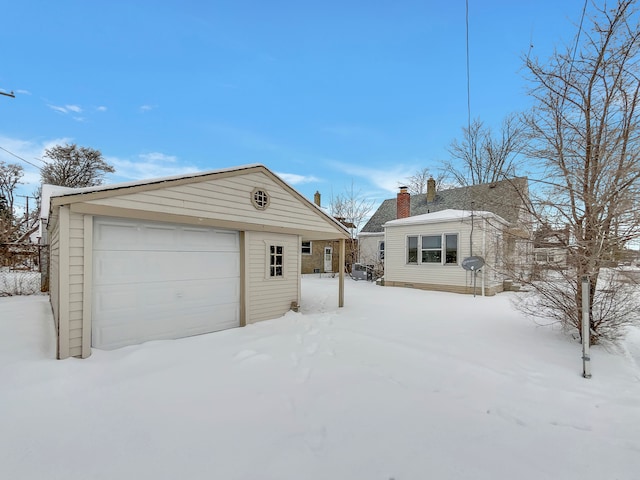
column 326, row 94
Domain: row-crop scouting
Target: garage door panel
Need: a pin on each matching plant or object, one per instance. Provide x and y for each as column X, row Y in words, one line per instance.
column 181, row 290
column 115, row 305
column 117, row 235
column 116, row 267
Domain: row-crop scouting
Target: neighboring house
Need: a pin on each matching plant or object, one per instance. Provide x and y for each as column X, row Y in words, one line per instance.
column 179, row 256
column 422, row 239
column 550, row 248
column 321, row 256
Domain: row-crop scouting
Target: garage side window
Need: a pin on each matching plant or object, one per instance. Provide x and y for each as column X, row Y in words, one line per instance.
column 276, row 260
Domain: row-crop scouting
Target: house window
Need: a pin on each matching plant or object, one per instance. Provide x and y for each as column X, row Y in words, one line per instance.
column 431, row 249
column 412, row 249
column 451, row 252
column 381, row 250
column 306, row 248
column 276, row 260
column 435, row 249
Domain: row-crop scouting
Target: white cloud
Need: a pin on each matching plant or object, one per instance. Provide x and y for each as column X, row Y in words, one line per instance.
column 146, row 108
column 295, row 179
column 101, row 108
column 66, row 109
column 148, row 165
column 385, row 178
column 57, row 109
column 23, row 92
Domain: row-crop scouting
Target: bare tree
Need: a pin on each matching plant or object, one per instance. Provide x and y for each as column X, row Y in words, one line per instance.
column 352, row 209
column 417, row 183
column 585, row 132
column 482, row 157
column 10, row 175
column 74, row 166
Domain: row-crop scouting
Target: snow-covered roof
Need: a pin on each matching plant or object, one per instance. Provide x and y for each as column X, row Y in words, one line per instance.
column 448, row 215
column 49, row 191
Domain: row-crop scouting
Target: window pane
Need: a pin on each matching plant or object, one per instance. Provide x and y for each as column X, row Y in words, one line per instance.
column 431, row 256
column 452, row 249
column 412, row 249
column 276, row 260
column 432, row 241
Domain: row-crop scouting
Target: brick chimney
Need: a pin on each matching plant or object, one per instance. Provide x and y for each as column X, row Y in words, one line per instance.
column 316, row 198
column 403, row 203
column 431, row 189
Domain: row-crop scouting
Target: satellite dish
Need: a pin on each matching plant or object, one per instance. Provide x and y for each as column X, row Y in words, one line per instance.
column 474, row 263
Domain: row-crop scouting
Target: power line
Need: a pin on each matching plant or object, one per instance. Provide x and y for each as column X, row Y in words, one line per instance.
column 20, row 158
column 468, row 68
column 573, row 56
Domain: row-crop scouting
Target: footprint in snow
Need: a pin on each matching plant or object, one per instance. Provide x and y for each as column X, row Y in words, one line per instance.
column 312, row 349
column 250, row 355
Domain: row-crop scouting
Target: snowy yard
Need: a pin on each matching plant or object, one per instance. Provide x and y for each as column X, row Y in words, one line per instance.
column 400, row 384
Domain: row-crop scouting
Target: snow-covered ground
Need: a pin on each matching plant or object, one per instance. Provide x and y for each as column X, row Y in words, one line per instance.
column 400, row 384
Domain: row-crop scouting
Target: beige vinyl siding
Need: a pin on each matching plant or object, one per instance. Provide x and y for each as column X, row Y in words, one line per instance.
column 270, row 297
column 54, row 269
column 76, row 282
column 437, row 276
column 226, row 200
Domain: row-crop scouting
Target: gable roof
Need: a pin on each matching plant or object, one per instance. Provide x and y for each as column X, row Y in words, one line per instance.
column 322, row 225
column 503, row 198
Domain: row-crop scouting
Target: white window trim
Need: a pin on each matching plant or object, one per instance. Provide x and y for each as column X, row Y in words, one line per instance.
column 381, row 251
column 310, row 248
column 443, row 249
column 267, row 262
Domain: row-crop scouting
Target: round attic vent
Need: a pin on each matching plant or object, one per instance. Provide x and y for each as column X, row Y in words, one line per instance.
column 260, row 198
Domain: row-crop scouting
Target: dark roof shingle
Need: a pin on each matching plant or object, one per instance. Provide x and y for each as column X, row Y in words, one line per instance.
column 504, row 198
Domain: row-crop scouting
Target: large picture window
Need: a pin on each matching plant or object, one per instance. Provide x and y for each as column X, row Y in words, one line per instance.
column 433, row 249
column 276, row 261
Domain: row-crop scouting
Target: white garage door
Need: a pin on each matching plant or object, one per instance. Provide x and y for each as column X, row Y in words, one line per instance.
column 155, row 281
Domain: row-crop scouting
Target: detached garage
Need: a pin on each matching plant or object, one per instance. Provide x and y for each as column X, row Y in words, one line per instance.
column 175, row 257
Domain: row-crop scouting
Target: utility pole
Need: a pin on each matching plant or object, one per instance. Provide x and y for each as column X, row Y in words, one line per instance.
column 26, row 209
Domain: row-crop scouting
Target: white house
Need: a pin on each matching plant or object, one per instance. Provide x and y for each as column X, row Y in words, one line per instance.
column 426, row 251
column 405, row 228
column 177, row 256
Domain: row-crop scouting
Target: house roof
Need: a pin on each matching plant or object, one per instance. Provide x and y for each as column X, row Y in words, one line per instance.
column 441, row 216
column 54, row 196
column 503, row 198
